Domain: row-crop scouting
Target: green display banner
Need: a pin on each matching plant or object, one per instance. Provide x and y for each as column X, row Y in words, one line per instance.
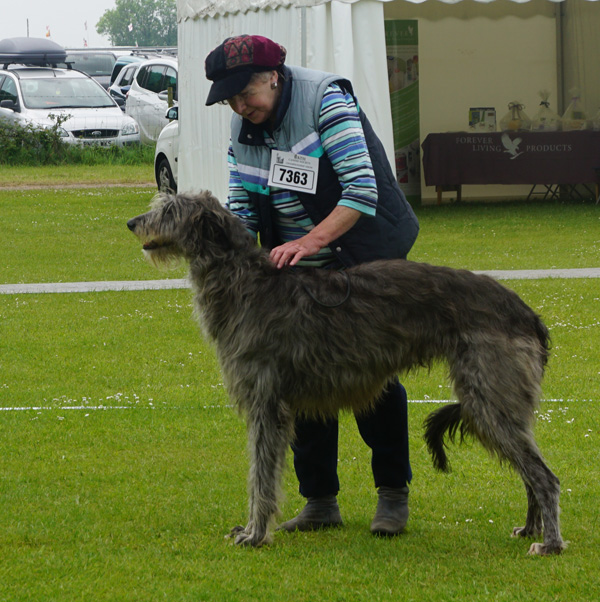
column 402, row 42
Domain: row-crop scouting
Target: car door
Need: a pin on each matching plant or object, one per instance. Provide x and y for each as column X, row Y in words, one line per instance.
column 122, row 84
column 9, row 99
column 159, row 80
column 145, row 106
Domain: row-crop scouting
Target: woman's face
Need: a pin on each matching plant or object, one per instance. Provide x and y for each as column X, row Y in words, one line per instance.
column 257, row 102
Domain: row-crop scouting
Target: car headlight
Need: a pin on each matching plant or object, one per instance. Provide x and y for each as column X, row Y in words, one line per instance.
column 130, row 128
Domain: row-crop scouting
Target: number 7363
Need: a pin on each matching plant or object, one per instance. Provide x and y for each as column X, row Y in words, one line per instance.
column 292, row 176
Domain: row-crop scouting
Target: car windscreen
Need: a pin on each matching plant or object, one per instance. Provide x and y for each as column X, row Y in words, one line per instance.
column 92, row 64
column 67, row 93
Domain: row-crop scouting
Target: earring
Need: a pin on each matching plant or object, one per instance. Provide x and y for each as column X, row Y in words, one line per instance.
column 273, row 85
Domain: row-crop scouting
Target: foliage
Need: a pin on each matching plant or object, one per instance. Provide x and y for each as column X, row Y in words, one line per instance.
column 30, row 145
column 153, row 23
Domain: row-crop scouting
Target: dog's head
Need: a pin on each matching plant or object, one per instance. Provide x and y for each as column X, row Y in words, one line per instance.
column 188, row 227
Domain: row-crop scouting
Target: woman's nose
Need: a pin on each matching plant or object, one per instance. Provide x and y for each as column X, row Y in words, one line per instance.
column 238, row 105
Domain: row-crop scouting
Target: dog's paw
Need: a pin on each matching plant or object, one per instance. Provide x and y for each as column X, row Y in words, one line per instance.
column 525, row 532
column 247, row 540
column 243, row 537
column 234, row 532
column 520, row 532
column 544, row 549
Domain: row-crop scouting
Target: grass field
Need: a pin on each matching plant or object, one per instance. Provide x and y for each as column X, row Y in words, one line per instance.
column 122, row 465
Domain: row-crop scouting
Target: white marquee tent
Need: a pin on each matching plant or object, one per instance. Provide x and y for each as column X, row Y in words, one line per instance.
column 471, row 53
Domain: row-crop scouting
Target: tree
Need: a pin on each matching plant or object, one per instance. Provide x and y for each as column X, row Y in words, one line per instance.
column 140, row 22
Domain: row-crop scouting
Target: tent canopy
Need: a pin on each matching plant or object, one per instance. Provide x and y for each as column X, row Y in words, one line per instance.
column 520, row 42
column 198, row 9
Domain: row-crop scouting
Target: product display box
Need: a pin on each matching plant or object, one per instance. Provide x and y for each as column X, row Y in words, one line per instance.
column 482, row 119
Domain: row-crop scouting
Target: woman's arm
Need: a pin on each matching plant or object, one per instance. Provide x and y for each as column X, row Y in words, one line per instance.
column 343, row 141
column 338, row 222
column 237, row 200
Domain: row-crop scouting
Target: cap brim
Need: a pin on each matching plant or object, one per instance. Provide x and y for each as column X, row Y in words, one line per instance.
column 228, row 87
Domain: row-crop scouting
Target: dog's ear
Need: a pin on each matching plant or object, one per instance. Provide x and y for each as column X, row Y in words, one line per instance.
column 214, row 228
column 207, row 227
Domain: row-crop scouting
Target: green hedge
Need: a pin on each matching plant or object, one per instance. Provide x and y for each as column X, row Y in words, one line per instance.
column 31, row 145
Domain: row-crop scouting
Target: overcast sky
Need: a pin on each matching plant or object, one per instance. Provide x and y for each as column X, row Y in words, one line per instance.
column 66, row 20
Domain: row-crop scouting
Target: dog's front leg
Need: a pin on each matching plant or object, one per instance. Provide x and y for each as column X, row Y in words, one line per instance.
column 270, row 427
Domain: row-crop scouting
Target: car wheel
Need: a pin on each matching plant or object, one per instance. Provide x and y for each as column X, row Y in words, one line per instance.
column 164, row 177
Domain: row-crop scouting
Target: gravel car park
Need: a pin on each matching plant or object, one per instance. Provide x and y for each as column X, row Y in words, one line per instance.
column 47, row 96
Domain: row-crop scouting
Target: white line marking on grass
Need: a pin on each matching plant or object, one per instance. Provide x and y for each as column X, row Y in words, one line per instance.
column 93, row 287
column 225, row 406
column 142, row 285
column 536, row 274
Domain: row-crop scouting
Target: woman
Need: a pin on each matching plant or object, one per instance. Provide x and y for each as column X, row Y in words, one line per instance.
column 309, row 177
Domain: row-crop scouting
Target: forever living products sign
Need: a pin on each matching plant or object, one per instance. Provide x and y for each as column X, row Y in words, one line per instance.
column 402, row 42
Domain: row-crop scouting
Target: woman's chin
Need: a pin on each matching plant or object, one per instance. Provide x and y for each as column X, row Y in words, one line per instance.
column 256, row 119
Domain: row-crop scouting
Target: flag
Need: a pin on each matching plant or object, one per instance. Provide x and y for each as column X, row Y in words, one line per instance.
column 130, row 27
column 84, row 43
column 47, row 31
column 85, row 25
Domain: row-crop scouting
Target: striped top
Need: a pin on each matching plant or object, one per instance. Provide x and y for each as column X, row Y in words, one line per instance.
column 342, row 139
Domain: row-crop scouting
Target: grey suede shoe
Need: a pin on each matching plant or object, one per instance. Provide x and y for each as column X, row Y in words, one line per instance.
column 319, row 513
column 391, row 515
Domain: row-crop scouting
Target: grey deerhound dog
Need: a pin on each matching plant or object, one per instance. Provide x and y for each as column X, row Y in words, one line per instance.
column 317, row 341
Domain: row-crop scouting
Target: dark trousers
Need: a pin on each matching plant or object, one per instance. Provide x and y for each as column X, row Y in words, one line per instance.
column 384, row 430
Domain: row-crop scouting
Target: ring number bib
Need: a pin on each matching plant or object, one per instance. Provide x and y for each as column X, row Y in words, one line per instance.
column 293, row 172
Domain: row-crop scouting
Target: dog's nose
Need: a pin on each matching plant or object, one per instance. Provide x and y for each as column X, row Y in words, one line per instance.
column 131, row 223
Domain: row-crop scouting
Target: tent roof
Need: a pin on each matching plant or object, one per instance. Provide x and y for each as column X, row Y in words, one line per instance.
column 198, row 9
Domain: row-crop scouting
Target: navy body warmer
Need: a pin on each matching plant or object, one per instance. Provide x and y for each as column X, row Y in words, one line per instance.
column 389, row 234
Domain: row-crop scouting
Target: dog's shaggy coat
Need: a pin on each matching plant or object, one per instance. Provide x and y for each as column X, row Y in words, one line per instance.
column 316, row 341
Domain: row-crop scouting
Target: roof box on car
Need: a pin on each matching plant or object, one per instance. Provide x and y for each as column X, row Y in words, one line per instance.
column 31, row 51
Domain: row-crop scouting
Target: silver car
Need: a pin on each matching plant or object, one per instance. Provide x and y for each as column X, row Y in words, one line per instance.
column 154, row 84
column 79, row 106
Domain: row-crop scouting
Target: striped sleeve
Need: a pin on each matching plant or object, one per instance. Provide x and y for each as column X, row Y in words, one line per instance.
column 238, row 201
column 343, row 140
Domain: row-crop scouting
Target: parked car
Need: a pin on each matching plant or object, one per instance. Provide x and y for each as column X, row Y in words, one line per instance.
column 121, row 63
column 122, row 84
column 136, row 55
column 80, row 108
column 147, row 99
column 96, row 63
column 167, row 152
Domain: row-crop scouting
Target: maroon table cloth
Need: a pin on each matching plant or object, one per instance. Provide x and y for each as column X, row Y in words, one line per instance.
column 453, row 159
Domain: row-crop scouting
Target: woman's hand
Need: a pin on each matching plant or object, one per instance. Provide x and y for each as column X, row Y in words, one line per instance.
column 338, row 222
column 292, row 252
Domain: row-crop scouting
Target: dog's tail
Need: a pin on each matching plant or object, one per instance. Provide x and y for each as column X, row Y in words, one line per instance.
column 447, row 419
column 544, row 338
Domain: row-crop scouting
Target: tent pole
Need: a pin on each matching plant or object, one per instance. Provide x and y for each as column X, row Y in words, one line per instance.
column 559, row 58
column 303, row 58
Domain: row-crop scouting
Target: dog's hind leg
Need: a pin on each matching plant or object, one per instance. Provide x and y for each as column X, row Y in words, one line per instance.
column 510, row 437
column 533, row 523
column 543, row 491
column 270, row 429
column 497, row 382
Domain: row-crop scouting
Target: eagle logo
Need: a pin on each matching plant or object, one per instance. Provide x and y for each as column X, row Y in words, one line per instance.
column 511, row 146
